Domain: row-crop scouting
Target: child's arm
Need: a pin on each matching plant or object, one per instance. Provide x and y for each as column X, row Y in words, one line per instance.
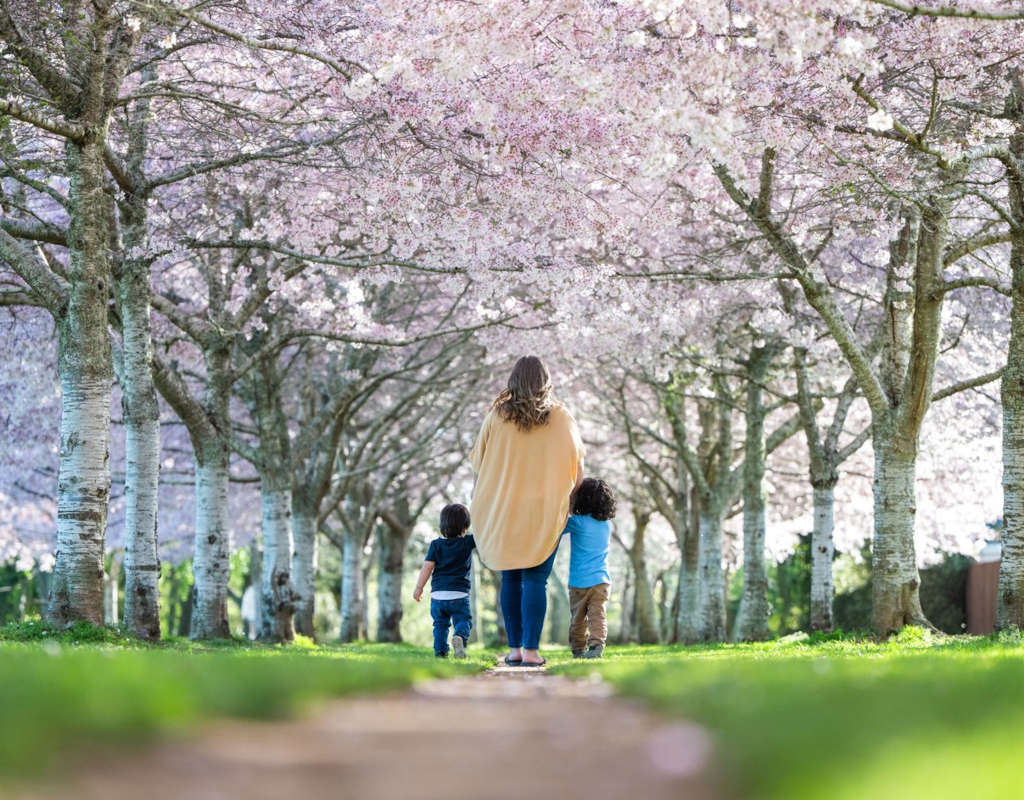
column 421, row 580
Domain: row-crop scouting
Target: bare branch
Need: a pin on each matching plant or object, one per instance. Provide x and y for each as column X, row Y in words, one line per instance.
column 970, row 383
column 68, row 130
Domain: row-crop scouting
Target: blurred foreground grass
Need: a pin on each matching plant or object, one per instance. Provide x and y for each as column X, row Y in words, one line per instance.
column 914, row 718
column 93, row 687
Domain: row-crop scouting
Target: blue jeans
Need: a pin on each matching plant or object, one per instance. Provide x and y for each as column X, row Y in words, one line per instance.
column 456, row 612
column 524, row 602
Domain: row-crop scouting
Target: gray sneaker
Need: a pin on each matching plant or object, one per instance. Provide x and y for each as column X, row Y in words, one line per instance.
column 594, row 651
column 458, row 647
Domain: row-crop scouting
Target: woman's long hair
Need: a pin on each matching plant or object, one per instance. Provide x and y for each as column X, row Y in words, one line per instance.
column 527, row 401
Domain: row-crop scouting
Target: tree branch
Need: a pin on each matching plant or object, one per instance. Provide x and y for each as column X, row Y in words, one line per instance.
column 68, row 130
column 970, row 383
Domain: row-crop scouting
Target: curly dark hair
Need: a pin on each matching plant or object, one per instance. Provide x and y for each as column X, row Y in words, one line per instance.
column 595, row 498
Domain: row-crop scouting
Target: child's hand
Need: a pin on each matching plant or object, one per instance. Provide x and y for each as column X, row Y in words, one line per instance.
column 416, row 595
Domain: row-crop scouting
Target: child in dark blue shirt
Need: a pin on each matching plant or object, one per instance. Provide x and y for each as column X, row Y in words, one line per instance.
column 448, row 564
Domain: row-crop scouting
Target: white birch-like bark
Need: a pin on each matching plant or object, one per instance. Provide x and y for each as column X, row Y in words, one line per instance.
column 273, row 461
column 212, row 545
column 685, row 519
column 898, row 392
column 141, row 414
column 390, row 561
column 142, row 561
column 110, row 598
column 752, row 620
column 688, row 624
column 822, row 554
column 211, row 553
column 85, row 370
column 277, row 606
column 824, row 456
column 141, row 410
column 351, row 586
column 1010, row 605
column 711, row 614
column 894, row 576
column 896, row 599
column 304, row 563
column 83, row 488
column 364, row 595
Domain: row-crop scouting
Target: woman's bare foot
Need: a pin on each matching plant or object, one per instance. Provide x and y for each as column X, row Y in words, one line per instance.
column 531, row 657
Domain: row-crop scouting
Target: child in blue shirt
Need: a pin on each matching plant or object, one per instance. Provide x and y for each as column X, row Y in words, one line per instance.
column 448, row 563
column 589, row 534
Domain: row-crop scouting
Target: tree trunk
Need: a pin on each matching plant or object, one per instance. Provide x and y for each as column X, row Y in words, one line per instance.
column 141, row 411
column 558, row 610
column 664, row 618
column 752, row 620
column 499, row 621
column 822, row 554
column 1010, row 612
column 1010, row 607
column 688, row 625
column 141, row 488
column 142, row 459
column 85, row 371
column 626, row 620
column 390, row 561
column 672, row 634
column 364, row 595
column 304, row 567
column 172, row 607
column 711, row 614
column 110, row 583
column 187, row 607
column 475, row 634
column 643, row 603
column 277, row 605
column 895, row 581
column 351, row 586
column 210, row 560
column 212, row 548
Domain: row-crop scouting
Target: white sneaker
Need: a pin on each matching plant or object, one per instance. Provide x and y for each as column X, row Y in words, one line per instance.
column 458, row 647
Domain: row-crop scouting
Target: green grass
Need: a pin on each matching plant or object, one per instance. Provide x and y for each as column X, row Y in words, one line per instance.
column 96, row 687
column 912, row 718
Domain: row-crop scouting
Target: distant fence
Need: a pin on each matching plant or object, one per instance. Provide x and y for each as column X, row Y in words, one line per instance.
column 982, row 590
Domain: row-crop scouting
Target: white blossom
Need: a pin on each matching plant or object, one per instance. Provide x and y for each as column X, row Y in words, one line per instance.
column 880, row 120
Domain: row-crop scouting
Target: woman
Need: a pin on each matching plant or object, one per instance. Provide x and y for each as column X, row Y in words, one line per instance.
column 529, row 461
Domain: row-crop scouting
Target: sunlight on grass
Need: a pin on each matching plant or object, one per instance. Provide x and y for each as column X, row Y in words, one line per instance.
column 56, row 695
column 799, row 720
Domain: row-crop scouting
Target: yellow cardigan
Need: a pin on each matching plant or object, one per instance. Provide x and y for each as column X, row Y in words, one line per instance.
column 521, row 499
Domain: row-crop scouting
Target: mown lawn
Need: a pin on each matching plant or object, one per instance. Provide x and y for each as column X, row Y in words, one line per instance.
column 92, row 687
column 912, row 718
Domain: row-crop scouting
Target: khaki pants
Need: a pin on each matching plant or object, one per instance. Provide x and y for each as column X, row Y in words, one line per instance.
column 588, row 606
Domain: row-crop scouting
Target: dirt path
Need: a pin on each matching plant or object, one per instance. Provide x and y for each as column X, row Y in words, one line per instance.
column 511, row 733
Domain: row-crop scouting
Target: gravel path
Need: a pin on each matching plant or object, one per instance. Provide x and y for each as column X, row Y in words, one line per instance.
column 510, row 733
